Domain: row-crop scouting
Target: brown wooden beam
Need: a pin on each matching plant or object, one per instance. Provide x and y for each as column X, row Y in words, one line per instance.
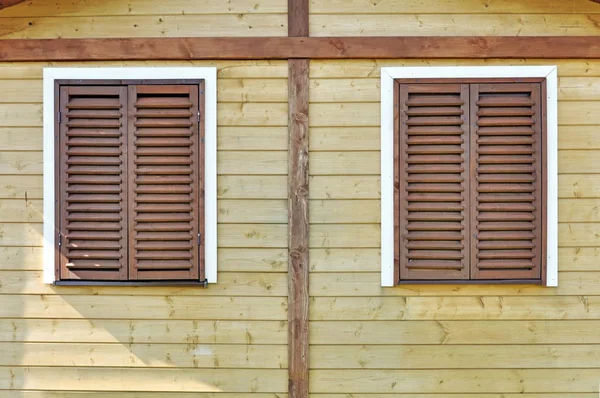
column 298, row 18
column 8, row 3
column 298, row 47
column 298, row 229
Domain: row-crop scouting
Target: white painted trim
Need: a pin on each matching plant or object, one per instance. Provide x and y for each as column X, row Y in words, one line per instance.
column 388, row 75
column 208, row 74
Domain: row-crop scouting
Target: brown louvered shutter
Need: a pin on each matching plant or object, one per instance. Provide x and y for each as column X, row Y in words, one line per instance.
column 165, row 184
column 92, row 192
column 507, row 150
column 433, row 181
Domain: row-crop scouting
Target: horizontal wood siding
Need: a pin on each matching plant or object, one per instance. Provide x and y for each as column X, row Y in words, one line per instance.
column 139, row 18
column 453, row 18
column 229, row 339
column 444, row 340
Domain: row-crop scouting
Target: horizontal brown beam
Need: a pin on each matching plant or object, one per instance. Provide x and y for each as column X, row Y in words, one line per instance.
column 298, row 47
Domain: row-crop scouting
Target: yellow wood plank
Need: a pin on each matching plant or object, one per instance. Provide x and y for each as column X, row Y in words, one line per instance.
column 146, row 7
column 578, row 112
column 191, row 332
column 342, row 211
column 455, row 7
column 368, row 68
column 396, row 24
column 253, row 90
column 578, row 137
column 252, row 235
column 345, row 260
column 135, row 379
column 252, row 138
column 345, row 138
column 353, row 284
column 346, row 114
column 345, row 163
column 145, row 355
column 25, row 91
column 250, row 162
column 134, row 394
column 21, row 258
column 20, row 138
column 21, row 210
column 250, row 211
column 251, row 114
column 345, row 187
column 21, row 162
column 21, row 115
column 455, row 308
column 250, row 187
column 252, row 260
column 344, row 235
column 454, row 357
column 575, row 235
column 17, row 186
column 578, row 258
column 579, row 186
column 345, row 90
column 21, row 234
column 582, row 210
column 484, row 332
column 225, row 69
column 442, row 395
column 455, row 381
column 578, row 88
column 143, row 307
column 578, row 161
column 230, row 284
column 144, row 26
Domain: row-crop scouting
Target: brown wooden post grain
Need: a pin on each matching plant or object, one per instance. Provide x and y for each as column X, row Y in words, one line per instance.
column 298, row 229
column 297, row 18
column 9, row 3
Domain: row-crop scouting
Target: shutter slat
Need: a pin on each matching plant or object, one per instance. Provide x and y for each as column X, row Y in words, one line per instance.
column 93, row 192
column 433, row 182
column 164, row 191
column 506, row 143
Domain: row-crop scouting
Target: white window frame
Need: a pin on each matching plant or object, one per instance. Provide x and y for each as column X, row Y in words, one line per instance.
column 208, row 74
column 388, row 75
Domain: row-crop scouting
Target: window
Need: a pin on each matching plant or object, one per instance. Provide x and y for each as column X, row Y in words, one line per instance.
column 133, row 176
column 469, row 175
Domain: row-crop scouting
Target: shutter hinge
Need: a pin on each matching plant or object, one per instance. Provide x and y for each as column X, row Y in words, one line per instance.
column 58, row 117
column 59, row 240
column 199, row 238
column 198, row 116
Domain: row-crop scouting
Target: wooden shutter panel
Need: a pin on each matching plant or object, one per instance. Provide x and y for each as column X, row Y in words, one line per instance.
column 92, row 192
column 507, row 158
column 165, row 188
column 433, row 180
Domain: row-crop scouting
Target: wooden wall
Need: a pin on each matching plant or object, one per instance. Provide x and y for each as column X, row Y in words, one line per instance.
column 51, row 19
column 438, row 340
column 230, row 337
column 454, row 18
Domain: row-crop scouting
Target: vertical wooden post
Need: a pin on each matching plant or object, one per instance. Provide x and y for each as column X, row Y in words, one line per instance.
column 298, row 81
column 298, row 229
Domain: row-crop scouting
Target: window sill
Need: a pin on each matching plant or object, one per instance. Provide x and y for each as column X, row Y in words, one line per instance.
column 473, row 282
column 203, row 283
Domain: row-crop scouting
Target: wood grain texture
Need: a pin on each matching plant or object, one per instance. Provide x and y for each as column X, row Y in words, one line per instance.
column 219, row 48
column 298, row 22
column 298, row 214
